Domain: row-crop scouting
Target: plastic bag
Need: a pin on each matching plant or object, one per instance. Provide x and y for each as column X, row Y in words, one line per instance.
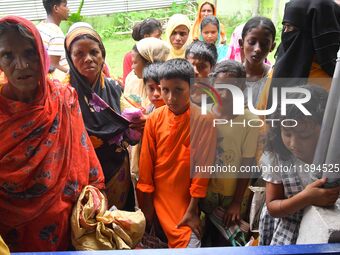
column 132, row 114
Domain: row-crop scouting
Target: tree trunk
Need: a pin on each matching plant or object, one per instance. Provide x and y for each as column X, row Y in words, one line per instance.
column 256, row 8
column 276, row 10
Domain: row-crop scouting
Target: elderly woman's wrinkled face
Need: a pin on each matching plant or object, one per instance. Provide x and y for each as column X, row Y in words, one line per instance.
column 19, row 61
column 138, row 64
column 87, row 58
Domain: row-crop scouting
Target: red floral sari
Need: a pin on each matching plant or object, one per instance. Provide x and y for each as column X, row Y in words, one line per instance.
column 46, row 158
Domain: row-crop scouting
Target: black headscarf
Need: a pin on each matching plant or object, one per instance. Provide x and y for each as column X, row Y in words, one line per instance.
column 100, row 104
column 100, row 107
column 317, row 36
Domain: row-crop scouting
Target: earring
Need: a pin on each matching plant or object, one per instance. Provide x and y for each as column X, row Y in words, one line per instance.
column 27, row 65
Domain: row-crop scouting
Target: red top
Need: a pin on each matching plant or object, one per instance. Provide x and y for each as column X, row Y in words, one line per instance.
column 127, row 65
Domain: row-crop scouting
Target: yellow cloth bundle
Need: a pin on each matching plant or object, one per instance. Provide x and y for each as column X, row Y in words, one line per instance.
column 3, row 247
column 96, row 228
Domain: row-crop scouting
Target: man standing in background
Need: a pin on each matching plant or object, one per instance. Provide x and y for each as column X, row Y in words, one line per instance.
column 53, row 37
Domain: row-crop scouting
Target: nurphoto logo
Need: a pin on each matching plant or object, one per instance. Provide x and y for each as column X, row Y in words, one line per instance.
column 238, row 104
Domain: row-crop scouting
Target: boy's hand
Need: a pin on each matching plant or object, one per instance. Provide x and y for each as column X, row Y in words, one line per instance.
column 149, row 217
column 146, row 205
column 319, row 196
column 232, row 214
column 193, row 221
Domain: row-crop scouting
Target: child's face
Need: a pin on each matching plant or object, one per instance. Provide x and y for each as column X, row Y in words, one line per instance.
column 153, row 91
column 137, row 64
column 156, row 34
column 225, row 94
column 301, row 140
column 256, row 45
column 176, row 95
column 210, row 33
column 202, row 68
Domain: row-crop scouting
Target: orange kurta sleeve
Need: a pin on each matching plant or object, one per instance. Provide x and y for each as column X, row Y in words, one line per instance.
column 147, row 159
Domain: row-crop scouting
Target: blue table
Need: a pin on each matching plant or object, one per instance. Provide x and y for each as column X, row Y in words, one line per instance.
column 259, row 250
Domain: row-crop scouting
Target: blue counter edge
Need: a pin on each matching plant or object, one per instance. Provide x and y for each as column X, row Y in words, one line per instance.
column 324, row 249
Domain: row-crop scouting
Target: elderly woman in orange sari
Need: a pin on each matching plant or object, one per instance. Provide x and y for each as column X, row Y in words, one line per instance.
column 46, row 157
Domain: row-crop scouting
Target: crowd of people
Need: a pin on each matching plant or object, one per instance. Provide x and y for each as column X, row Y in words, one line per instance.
column 66, row 123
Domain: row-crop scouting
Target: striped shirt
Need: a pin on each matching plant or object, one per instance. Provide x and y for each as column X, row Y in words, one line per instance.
column 53, row 39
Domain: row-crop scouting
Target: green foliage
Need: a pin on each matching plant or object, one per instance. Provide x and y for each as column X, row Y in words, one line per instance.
column 118, row 24
column 123, row 22
column 117, row 44
column 76, row 17
column 116, row 48
column 234, row 20
column 178, row 8
column 266, row 7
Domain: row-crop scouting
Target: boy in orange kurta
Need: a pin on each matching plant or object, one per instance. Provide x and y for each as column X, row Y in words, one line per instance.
column 168, row 153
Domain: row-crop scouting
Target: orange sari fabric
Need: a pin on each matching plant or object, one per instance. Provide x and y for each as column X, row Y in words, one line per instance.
column 2, row 77
column 46, row 158
column 165, row 166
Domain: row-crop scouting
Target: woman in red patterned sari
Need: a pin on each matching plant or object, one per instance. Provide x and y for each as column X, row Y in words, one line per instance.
column 46, row 157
